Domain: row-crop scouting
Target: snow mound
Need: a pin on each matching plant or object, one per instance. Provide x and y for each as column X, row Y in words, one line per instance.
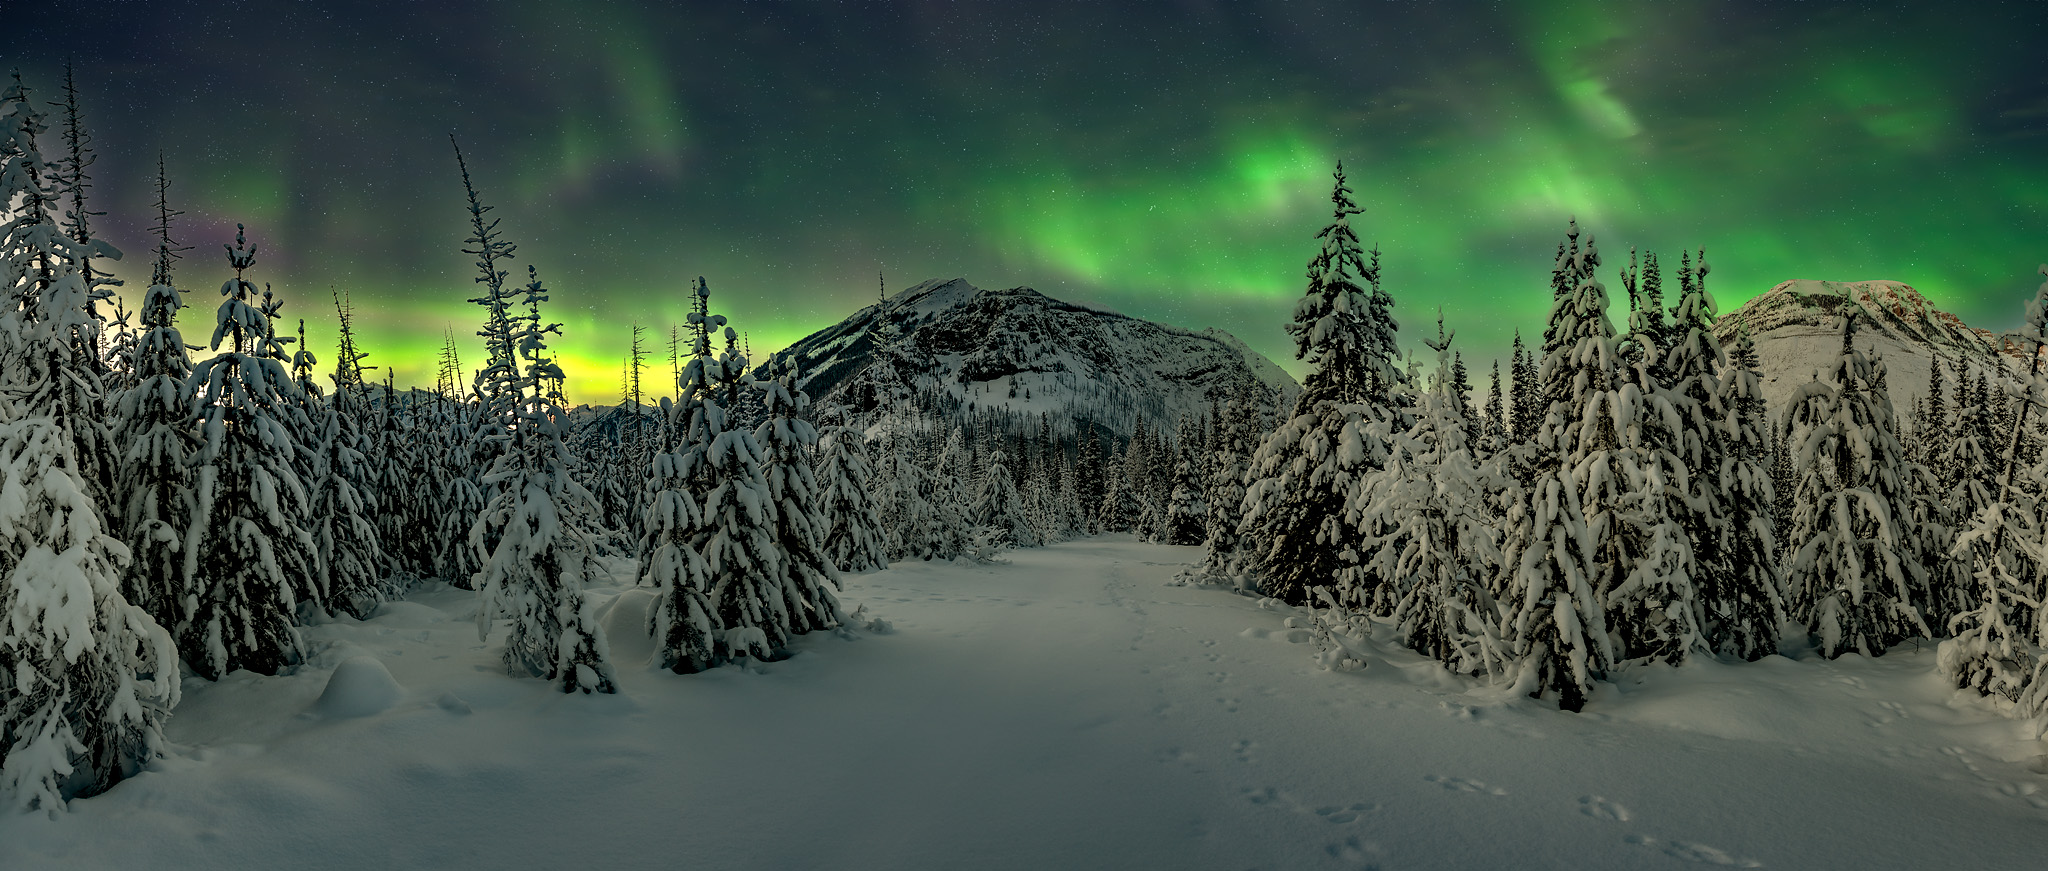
column 625, row 625
column 359, row 687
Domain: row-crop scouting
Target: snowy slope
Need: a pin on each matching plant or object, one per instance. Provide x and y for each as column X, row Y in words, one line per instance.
column 1797, row 330
column 1068, row 711
column 1021, row 350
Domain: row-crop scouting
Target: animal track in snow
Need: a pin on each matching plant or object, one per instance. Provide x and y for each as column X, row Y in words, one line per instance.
column 1345, row 814
column 1355, row 852
column 1463, row 784
column 1692, row 852
column 1602, row 809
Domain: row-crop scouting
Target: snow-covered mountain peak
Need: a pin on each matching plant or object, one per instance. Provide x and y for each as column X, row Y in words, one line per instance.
column 1889, row 308
column 1797, row 329
column 1025, row 352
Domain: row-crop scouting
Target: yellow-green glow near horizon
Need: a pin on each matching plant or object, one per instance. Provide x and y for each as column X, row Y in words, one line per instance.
column 1173, row 167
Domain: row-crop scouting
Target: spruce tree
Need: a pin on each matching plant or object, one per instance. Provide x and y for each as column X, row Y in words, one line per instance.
column 248, row 554
column 534, row 538
column 1494, row 431
column 807, row 578
column 1089, row 477
column 1746, row 606
column 352, row 562
column 155, row 479
column 88, row 676
column 854, row 537
column 1304, row 472
column 1187, row 512
column 1525, row 409
column 673, row 516
column 1851, row 568
column 1000, row 506
column 1553, row 619
column 2000, row 646
column 1428, row 528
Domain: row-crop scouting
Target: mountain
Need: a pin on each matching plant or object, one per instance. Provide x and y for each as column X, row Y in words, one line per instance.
column 1026, row 352
column 1797, row 330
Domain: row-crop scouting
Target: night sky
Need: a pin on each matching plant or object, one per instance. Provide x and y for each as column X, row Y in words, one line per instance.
column 1167, row 160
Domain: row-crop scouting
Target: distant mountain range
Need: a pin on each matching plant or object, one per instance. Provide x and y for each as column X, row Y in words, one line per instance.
column 1026, row 352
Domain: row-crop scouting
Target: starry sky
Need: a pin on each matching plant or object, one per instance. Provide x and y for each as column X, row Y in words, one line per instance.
column 1167, row 160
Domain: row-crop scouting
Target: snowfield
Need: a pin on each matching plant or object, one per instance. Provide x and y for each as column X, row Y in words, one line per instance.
column 1069, row 710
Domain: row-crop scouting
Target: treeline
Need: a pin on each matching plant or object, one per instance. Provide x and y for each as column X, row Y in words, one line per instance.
column 1628, row 499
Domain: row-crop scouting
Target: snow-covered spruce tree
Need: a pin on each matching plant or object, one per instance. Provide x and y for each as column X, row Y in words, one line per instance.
column 86, row 677
column 457, row 497
column 1293, row 526
column 946, row 490
column 1552, row 619
column 1120, row 508
column 247, row 552
column 395, row 465
column 155, row 416
column 1427, row 526
column 999, row 505
column 353, row 577
column 1642, row 499
column 807, row 579
column 854, row 537
column 1088, row 479
column 1745, row 608
column 1998, row 646
column 1525, row 405
column 673, row 522
column 1236, row 440
column 1135, row 471
column 1971, row 467
column 1187, row 514
column 35, row 248
column 1850, row 570
column 1493, row 430
column 534, row 539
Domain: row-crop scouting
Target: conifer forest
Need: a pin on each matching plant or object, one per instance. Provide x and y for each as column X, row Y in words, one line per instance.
column 997, row 578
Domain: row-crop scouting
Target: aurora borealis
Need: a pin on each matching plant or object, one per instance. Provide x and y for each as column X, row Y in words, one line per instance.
column 1167, row 160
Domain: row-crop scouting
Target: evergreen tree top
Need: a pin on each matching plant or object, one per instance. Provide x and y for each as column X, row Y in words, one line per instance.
column 168, row 251
column 1343, row 326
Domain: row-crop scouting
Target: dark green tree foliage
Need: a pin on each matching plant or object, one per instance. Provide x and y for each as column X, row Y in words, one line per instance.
column 1525, row 406
column 1725, row 510
column 1187, row 514
column 1088, row 478
column 259, row 560
column 1493, row 430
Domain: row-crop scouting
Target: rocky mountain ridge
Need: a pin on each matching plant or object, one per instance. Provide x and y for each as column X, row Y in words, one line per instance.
column 1026, row 352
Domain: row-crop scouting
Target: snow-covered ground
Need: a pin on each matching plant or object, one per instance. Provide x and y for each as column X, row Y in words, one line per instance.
column 1069, row 710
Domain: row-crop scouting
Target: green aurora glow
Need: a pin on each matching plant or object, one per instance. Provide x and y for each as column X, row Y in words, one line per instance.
column 1165, row 160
